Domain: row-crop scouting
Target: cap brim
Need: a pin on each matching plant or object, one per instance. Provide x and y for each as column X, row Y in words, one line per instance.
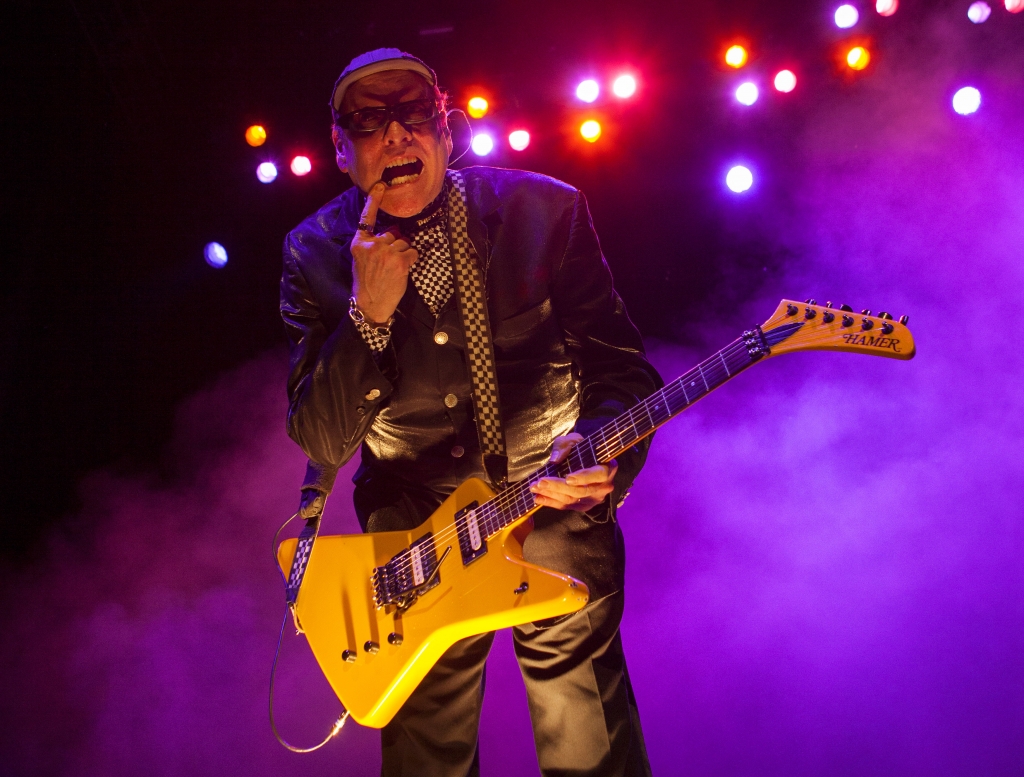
column 398, row 63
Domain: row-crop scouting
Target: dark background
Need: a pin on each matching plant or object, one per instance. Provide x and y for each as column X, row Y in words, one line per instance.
column 123, row 125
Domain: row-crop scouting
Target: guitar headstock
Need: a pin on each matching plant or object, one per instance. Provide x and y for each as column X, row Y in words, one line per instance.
column 806, row 326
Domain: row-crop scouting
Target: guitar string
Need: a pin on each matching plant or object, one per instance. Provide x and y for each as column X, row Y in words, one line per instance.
column 519, row 492
column 610, row 432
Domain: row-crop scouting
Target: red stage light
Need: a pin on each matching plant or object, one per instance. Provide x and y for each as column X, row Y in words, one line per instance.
column 785, row 81
column 301, row 165
column 519, row 139
column 624, row 86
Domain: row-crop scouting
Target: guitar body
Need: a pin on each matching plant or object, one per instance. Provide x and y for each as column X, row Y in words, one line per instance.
column 337, row 611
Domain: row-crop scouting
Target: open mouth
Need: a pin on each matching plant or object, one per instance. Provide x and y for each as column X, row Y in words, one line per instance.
column 402, row 171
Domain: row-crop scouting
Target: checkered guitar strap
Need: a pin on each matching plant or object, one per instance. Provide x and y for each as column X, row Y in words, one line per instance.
column 469, row 288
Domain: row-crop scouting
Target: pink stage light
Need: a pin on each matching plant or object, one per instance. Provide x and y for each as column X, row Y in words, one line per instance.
column 887, row 7
column 624, row 86
column 979, row 12
column 301, row 165
column 1015, row 6
column 785, row 81
column 519, row 140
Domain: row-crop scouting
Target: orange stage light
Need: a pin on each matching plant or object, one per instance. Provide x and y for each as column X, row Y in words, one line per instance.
column 477, row 107
column 858, row 58
column 255, row 135
column 590, row 130
column 736, row 56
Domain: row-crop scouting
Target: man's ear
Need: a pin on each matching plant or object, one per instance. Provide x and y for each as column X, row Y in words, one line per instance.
column 339, row 157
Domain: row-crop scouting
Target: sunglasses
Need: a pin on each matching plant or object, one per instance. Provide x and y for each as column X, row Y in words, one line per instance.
column 371, row 119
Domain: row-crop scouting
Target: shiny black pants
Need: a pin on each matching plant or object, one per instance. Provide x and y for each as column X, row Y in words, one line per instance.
column 584, row 716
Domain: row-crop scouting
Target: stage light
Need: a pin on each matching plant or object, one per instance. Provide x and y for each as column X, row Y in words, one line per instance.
column 846, row 16
column 590, row 130
column 858, row 58
column 747, row 93
column 588, row 90
column 477, row 107
column 255, row 135
column 736, row 56
column 519, row 139
column 966, row 101
column 216, row 255
column 979, row 12
column 887, row 7
column 301, row 165
column 266, row 172
column 739, row 179
column 785, row 81
column 1014, row 6
column 624, row 86
column 483, row 144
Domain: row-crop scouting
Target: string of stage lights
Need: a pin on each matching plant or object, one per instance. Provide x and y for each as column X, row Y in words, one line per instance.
column 853, row 54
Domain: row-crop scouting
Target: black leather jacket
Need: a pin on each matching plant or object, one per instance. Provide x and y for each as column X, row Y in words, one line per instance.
column 567, row 356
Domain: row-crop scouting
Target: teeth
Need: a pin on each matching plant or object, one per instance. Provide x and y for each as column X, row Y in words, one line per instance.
column 405, row 160
column 404, row 179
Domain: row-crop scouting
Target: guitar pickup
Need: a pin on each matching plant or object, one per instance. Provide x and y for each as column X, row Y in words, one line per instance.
column 408, row 574
column 472, row 533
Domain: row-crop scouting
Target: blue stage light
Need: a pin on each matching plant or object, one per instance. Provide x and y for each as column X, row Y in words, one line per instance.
column 216, row 255
column 739, row 179
column 967, row 100
column 266, row 172
column 483, row 144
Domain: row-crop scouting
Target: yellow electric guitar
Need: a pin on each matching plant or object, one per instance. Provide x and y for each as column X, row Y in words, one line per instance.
column 380, row 609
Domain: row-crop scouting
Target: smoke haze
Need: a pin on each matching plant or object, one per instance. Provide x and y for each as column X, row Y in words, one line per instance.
column 824, row 557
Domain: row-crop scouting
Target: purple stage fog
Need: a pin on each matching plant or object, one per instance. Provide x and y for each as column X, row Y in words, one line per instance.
column 825, row 556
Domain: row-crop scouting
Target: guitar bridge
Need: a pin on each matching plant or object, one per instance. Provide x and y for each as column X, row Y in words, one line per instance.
column 407, row 575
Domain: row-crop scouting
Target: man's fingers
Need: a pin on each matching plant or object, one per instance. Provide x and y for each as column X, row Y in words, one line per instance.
column 562, row 445
column 599, row 474
column 368, row 220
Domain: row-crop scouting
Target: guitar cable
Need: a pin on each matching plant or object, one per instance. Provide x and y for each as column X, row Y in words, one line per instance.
column 340, row 722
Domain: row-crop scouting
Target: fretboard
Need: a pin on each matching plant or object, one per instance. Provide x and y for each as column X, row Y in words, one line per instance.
column 634, row 425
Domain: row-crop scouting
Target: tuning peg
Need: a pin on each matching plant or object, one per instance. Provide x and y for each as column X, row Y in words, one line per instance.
column 847, row 320
column 811, row 302
column 791, row 310
column 846, row 308
column 885, row 315
column 887, row 328
column 904, row 320
column 866, row 324
column 828, row 304
column 810, row 313
column 866, row 312
column 828, row 317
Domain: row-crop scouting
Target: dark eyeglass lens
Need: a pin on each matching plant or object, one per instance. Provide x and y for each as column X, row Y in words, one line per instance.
column 412, row 112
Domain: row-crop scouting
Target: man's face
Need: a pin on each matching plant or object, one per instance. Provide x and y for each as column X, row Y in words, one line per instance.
column 422, row 150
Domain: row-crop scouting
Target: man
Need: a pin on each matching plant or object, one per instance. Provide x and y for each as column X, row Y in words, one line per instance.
column 378, row 356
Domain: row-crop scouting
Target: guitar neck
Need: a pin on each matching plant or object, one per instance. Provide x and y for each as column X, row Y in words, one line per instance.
column 631, row 427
